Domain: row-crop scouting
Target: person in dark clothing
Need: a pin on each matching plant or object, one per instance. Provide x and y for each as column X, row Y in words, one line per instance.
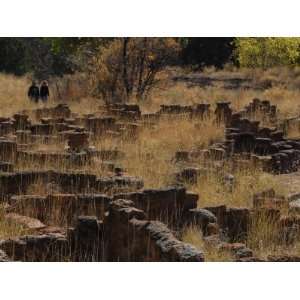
column 44, row 91
column 33, row 92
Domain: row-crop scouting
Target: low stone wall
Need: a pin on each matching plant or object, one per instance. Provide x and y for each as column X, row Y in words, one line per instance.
column 168, row 205
column 132, row 238
column 43, row 247
column 123, row 235
column 60, row 209
column 18, row 183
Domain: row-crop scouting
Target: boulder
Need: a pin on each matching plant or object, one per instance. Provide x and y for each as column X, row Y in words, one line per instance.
column 3, row 256
column 202, row 218
column 27, row 222
column 294, row 206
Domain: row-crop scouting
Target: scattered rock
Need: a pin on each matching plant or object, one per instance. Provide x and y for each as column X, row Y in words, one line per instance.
column 27, row 222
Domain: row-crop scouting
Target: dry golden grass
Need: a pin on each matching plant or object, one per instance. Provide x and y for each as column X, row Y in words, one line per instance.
column 10, row 229
column 293, row 131
column 247, row 181
column 283, row 89
column 182, row 93
column 285, row 99
column 13, row 95
column 263, row 235
column 150, row 156
column 194, row 236
column 265, row 238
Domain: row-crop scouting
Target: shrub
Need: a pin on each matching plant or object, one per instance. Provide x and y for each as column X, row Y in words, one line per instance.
column 267, row 52
column 128, row 67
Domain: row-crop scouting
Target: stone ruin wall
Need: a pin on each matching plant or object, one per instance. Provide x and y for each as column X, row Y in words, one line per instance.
column 145, row 225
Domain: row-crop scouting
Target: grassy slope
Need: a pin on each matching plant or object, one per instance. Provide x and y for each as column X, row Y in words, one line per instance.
column 150, row 156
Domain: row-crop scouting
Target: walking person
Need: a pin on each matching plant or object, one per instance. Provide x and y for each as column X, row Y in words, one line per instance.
column 44, row 91
column 33, row 92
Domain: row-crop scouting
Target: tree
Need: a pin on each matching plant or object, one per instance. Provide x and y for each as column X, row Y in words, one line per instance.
column 44, row 57
column 12, row 53
column 267, row 52
column 210, row 51
column 128, row 67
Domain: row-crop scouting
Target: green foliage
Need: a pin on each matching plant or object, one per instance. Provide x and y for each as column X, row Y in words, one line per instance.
column 12, row 52
column 267, row 52
column 46, row 57
column 71, row 45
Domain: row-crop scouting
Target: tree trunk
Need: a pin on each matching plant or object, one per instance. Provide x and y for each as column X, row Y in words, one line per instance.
column 125, row 75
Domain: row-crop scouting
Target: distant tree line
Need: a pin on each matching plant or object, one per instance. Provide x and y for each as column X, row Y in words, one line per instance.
column 45, row 57
column 203, row 52
column 57, row 56
column 119, row 69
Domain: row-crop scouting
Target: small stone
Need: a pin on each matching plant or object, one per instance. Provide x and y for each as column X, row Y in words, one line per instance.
column 212, row 229
column 201, row 217
column 24, row 221
column 3, row 256
column 295, row 206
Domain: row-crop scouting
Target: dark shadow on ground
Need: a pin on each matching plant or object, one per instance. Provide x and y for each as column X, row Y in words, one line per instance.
column 223, row 82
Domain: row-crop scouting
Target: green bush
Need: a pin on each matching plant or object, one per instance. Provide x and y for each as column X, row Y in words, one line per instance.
column 267, row 52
